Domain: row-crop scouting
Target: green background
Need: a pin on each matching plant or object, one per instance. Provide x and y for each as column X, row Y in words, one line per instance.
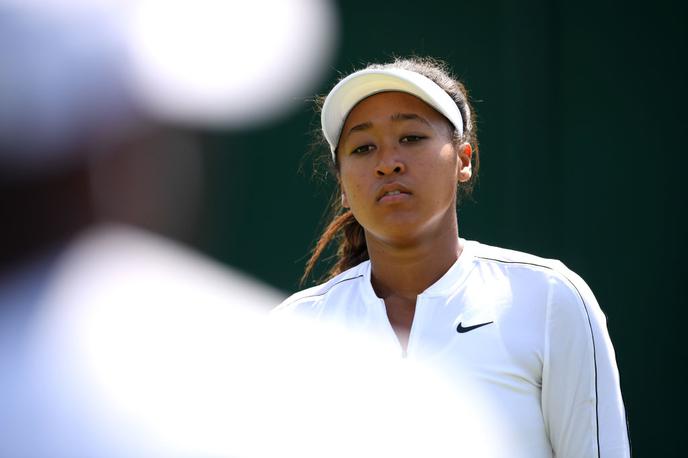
column 582, row 122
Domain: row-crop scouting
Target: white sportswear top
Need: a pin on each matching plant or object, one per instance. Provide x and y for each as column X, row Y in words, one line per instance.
column 525, row 329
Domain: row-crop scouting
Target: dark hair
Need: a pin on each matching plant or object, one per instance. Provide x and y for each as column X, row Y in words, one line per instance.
column 343, row 227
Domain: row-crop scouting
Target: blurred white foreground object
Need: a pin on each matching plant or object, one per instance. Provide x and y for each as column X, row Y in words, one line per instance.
column 129, row 343
column 78, row 71
column 62, row 82
column 212, row 62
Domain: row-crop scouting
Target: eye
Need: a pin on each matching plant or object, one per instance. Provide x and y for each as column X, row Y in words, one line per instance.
column 411, row 138
column 362, row 149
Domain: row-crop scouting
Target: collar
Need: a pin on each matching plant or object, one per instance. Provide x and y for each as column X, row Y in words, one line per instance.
column 447, row 283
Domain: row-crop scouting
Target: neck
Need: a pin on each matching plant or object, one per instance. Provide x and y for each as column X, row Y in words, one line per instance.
column 406, row 270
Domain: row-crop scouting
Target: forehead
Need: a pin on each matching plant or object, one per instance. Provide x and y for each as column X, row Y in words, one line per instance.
column 382, row 105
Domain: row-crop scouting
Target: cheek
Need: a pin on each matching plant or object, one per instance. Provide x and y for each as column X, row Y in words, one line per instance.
column 350, row 185
column 445, row 177
column 452, row 164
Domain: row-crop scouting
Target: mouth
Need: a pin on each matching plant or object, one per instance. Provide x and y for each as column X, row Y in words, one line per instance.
column 392, row 193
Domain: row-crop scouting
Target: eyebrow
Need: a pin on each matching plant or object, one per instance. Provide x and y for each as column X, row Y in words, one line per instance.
column 395, row 117
column 409, row 117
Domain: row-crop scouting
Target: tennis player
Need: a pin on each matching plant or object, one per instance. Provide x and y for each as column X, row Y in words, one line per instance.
column 529, row 331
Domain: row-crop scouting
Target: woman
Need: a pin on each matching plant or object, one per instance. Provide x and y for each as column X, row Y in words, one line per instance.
column 404, row 149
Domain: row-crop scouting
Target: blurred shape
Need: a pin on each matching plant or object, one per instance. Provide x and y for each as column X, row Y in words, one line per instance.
column 125, row 344
column 210, row 62
column 153, row 180
column 77, row 72
column 113, row 341
column 65, row 7
column 62, row 83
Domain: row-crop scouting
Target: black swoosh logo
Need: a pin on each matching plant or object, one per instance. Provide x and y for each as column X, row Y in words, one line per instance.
column 460, row 329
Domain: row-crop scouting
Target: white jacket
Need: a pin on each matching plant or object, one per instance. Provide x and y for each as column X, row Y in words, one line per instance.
column 527, row 330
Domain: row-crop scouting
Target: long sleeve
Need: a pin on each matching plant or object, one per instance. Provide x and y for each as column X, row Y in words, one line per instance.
column 581, row 396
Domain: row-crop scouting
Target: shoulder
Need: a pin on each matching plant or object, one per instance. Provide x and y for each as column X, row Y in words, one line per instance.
column 568, row 303
column 492, row 254
column 310, row 300
column 531, row 268
column 513, row 260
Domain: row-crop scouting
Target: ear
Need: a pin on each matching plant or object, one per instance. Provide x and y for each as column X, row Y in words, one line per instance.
column 345, row 201
column 464, row 152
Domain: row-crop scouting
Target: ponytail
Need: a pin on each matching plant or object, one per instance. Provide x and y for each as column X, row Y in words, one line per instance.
column 351, row 249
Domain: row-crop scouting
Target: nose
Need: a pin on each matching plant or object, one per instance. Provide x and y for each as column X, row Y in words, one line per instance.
column 389, row 162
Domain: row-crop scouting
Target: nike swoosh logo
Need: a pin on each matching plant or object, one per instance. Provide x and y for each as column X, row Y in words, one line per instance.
column 460, row 329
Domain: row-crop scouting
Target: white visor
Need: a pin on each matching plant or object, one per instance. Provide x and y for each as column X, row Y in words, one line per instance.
column 364, row 83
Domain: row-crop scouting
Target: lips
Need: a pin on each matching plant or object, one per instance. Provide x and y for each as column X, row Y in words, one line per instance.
column 391, row 191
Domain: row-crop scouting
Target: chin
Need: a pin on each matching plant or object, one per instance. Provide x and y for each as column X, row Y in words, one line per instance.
column 398, row 233
column 410, row 228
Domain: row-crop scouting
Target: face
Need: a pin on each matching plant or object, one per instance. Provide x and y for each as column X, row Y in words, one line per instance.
column 399, row 168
